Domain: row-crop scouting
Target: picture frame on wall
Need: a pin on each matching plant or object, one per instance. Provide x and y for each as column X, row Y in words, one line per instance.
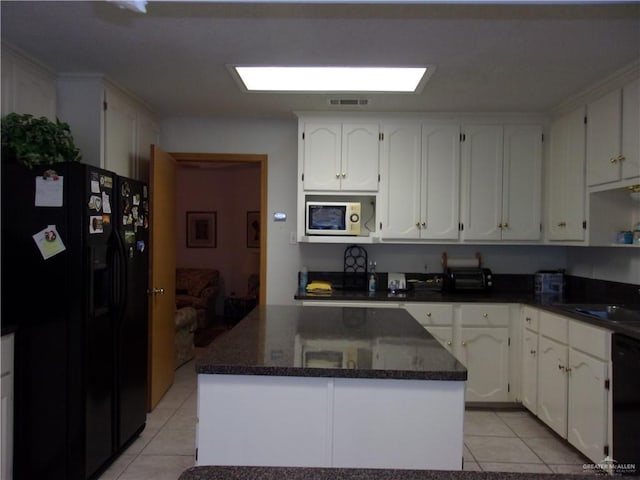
column 201, row 229
column 253, row 229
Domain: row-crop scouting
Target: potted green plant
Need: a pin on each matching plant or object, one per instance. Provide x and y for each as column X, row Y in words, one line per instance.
column 37, row 141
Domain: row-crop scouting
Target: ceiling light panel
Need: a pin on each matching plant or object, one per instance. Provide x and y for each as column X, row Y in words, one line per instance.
column 332, row 79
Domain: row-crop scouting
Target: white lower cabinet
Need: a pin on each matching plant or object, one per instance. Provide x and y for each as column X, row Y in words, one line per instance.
column 485, row 353
column 529, row 381
column 573, row 382
column 552, row 385
column 587, row 415
column 478, row 336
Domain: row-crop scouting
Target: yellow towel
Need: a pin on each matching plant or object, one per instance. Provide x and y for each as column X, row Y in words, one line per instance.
column 319, row 287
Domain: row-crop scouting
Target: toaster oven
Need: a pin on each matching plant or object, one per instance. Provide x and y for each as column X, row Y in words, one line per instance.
column 467, row 279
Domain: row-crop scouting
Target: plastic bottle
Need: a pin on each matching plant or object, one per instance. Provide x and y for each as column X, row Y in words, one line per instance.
column 372, row 278
column 303, row 278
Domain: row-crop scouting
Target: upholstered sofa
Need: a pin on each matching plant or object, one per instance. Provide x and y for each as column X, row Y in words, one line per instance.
column 198, row 288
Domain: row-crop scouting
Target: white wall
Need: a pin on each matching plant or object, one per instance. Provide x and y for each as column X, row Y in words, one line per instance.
column 617, row 264
column 413, row 258
column 276, row 139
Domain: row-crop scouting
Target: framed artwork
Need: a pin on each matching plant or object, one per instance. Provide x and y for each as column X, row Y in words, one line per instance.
column 253, row 229
column 201, row 230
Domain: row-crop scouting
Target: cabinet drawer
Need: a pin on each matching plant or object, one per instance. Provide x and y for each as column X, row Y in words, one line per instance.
column 554, row 326
column 432, row 313
column 484, row 315
column 530, row 318
column 589, row 339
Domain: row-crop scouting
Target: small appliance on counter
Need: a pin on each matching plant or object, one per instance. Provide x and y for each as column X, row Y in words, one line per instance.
column 465, row 274
column 549, row 282
column 396, row 282
column 459, row 279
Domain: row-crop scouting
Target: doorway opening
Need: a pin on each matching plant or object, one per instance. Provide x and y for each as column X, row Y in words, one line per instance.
column 241, row 242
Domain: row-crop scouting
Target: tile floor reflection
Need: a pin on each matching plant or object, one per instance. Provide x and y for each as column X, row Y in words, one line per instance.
column 495, row 440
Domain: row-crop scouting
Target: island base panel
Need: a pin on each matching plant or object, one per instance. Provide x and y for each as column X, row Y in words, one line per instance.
column 327, row 422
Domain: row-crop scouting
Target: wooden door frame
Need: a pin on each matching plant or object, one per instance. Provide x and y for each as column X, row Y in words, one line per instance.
column 261, row 160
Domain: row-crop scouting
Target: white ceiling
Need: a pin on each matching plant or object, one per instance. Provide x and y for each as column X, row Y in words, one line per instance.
column 515, row 58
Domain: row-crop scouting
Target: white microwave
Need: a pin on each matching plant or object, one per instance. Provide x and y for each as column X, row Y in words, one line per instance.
column 333, row 218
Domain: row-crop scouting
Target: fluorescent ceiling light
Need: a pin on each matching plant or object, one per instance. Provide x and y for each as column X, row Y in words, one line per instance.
column 332, row 79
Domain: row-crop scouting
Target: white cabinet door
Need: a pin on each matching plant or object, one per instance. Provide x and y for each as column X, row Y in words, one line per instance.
column 481, row 207
column 148, row 134
column 631, row 130
column 26, row 87
column 440, row 181
column 604, row 124
column 485, row 353
column 322, row 156
column 588, row 405
column 552, row 384
column 565, row 194
column 120, row 134
column 522, row 182
column 400, row 203
column 360, row 157
column 340, row 157
column 501, row 182
column 277, row 429
column 398, row 424
column 530, row 370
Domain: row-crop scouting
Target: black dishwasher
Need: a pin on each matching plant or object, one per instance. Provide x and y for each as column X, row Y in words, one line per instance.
column 625, row 355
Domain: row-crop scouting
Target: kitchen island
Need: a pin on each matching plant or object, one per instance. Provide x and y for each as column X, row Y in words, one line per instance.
column 330, row 387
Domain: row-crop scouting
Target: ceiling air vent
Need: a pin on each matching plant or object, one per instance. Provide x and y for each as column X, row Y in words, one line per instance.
column 349, row 102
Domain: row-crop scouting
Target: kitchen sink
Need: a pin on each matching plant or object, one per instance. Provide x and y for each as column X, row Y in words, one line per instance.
column 610, row 313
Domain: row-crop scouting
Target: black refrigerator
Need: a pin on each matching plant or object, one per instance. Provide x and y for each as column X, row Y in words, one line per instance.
column 74, row 284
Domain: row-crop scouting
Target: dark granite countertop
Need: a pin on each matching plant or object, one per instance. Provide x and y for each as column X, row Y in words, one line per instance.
column 303, row 473
column 418, row 296
column 551, row 303
column 271, row 341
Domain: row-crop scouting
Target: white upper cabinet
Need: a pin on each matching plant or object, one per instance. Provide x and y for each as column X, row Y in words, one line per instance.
column 26, row 86
column 631, row 130
column 112, row 130
column 120, row 134
column 522, row 182
column 400, row 181
column 613, row 130
column 565, row 178
column 340, row 156
column 501, row 182
column 440, row 181
column 482, row 155
column 419, row 181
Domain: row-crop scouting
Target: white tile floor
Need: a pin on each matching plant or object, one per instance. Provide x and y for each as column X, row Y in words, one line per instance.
column 495, row 440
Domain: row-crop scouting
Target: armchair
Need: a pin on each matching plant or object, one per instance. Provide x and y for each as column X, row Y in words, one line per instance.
column 198, row 288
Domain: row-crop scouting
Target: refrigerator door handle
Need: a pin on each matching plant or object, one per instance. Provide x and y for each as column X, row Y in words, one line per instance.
column 120, row 270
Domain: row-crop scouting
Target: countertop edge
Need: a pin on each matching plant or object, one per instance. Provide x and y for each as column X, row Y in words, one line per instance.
column 333, row 473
